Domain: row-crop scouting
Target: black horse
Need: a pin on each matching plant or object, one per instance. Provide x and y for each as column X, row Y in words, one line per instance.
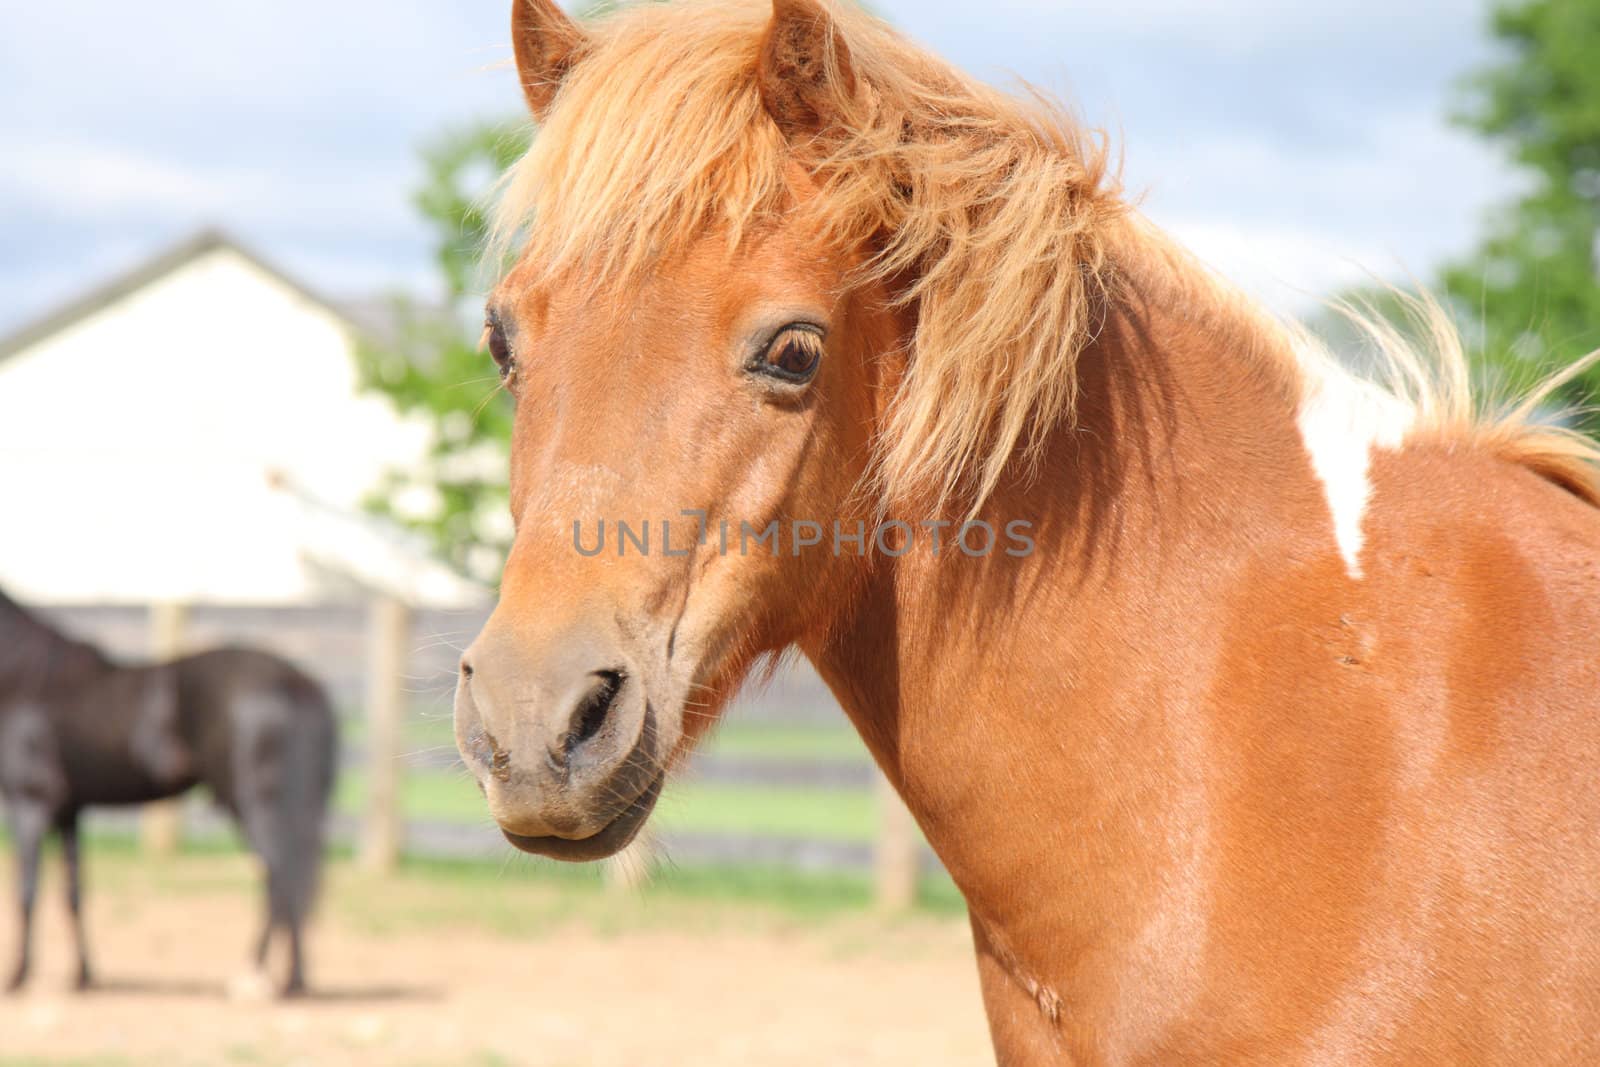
column 78, row 730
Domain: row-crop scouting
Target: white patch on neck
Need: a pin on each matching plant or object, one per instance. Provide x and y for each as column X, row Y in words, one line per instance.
column 1342, row 419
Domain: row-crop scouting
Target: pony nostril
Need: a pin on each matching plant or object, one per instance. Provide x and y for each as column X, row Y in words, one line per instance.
column 480, row 747
column 590, row 714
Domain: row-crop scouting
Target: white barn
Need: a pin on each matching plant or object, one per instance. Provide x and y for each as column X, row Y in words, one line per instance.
column 194, row 431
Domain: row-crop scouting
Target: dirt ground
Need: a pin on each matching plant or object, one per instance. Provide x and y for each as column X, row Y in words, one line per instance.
column 427, row 971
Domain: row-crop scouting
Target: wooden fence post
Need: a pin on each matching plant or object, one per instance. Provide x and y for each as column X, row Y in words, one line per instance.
column 161, row 823
column 389, row 651
column 895, row 858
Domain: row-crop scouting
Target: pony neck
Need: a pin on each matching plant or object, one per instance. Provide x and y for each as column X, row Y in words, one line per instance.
column 1038, row 714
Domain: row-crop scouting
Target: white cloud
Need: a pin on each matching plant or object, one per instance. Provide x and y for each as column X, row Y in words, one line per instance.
column 1410, row 196
column 1288, row 143
column 100, row 180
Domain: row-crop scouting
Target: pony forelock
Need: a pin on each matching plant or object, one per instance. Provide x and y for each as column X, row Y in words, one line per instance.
column 1419, row 358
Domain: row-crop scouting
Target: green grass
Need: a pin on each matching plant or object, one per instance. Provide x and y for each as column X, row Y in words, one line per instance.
column 687, row 806
column 788, row 893
column 443, row 795
column 523, row 896
column 514, row 894
column 790, row 741
column 768, row 811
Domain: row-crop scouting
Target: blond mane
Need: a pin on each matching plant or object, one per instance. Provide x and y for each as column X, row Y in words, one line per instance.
column 998, row 210
column 1421, row 361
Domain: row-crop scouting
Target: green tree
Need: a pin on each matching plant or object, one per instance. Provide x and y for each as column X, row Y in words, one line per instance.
column 430, row 364
column 431, row 367
column 1534, row 283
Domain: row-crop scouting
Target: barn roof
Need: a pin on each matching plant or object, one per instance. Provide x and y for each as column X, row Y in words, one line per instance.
column 186, row 251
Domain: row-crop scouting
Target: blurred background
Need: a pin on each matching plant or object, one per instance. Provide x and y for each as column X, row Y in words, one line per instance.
column 240, row 400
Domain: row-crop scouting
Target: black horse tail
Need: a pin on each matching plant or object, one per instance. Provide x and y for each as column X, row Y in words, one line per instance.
column 310, row 758
column 286, row 751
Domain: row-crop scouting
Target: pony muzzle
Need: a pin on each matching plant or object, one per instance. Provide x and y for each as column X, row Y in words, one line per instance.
column 564, row 744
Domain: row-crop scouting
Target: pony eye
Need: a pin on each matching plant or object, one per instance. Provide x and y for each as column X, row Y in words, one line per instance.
column 793, row 356
column 494, row 337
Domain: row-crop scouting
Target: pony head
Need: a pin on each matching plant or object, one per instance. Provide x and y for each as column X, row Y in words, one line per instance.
column 739, row 332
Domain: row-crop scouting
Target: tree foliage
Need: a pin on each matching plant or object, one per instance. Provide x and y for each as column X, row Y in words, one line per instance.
column 431, row 367
column 1534, row 282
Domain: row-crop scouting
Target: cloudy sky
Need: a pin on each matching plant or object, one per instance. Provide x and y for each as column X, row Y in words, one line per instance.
column 1295, row 146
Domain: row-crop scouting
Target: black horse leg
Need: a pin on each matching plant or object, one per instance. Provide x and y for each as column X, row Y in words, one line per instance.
column 282, row 914
column 68, row 825
column 266, row 939
column 256, row 819
column 28, row 824
column 297, row 973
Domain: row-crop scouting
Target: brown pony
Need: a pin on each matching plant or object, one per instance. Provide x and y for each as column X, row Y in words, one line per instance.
column 1254, row 708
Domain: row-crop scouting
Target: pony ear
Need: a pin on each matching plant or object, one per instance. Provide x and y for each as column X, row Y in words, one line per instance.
column 805, row 71
column 547, row 43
